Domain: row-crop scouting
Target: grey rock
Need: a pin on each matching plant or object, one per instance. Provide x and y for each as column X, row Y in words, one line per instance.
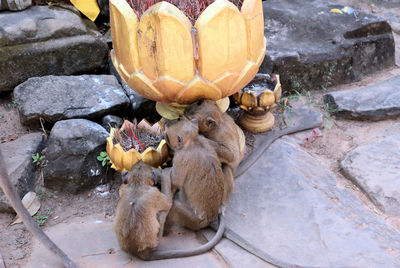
column 375, row 168
column 110, row 121
column 72, row 149
column 288, row 209
column 45, row 40
column 15, row 5
column 375, row 102
column 311, row 47
column 18, row 159
column 141, row 107
column 55, row 98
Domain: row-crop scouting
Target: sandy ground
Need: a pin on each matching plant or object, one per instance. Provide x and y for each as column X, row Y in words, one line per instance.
column 338, row 137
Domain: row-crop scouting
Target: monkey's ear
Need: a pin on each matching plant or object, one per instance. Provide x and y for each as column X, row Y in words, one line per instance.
column 211, row 123
column 180, row 141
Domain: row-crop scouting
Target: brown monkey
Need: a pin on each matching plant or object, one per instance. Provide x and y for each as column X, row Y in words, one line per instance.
column 142, row 209
column 141, row 214
column 197, row 174
column 30, row 224
column 220, row 128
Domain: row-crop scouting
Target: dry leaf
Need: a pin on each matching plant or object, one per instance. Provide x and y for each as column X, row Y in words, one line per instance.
column 31, row 203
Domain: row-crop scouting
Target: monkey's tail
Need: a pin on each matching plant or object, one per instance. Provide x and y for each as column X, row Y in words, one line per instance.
column 170, row 254
column 16, row 203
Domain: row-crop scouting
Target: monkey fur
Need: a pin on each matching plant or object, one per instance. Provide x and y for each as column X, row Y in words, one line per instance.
column 221, row 129
column 30, row 224
column 141, row 210
column 196, row 173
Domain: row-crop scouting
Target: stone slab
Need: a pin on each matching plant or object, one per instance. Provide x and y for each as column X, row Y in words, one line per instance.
column 18, row 159
column 311, row 47
column 55, row 98
column 301, row 116
column 287, row 209
column 91, row 242
column 375, row 102
column 375, row 168
column 45, row 40
column 235, row 256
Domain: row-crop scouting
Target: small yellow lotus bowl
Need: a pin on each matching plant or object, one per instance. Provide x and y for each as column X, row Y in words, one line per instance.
column 124, row 160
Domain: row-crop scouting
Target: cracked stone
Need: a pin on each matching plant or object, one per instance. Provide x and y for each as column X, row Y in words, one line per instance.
column 375, row 168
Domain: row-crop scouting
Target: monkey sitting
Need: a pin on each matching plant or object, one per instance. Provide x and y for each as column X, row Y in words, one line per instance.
column 197, row 174
column 220, row 128
column 141, row 210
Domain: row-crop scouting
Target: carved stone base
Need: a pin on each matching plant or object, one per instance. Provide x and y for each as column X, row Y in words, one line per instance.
column 257, row 123
column 174, row 110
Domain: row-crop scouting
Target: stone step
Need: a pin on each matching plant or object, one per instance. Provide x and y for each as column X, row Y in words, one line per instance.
column 44, row 40
column 375, row 102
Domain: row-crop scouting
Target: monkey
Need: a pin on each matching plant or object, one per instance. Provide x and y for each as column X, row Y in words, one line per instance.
column 30, row 224
column 197, row 179
column 197, row 174
column 221, row 129
column 142, row 209
column 141, row 213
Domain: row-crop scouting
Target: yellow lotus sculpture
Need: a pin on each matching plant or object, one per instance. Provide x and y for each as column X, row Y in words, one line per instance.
column 163, row 57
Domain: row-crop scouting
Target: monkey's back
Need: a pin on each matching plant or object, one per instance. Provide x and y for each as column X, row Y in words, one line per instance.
column 204, row 183
column 136, row 224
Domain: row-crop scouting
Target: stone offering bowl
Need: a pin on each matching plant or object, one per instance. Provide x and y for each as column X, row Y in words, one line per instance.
column 257, row 100
column 123, row 160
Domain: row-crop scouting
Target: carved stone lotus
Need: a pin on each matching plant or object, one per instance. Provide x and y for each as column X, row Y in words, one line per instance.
column 165, row 58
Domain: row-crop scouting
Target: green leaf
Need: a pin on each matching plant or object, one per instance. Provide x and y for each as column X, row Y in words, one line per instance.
column 103, row 154
column 103, row 163
column 99, row 158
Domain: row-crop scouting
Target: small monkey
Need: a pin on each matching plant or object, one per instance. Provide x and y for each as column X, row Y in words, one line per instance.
column 220, row 128
column 30, row 224
column 142, row 209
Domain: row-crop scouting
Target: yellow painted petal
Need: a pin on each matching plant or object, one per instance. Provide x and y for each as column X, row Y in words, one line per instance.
column 246, row 76
column 169, row 86
column 151, row 157
column 124, row 24
column 278, row 90
column 163, row 150
column 222, row 40
column 252, row 12
column 89, row 8
column 165, row 43
column 143, row 86
column 226, row 82
column 130, row 158
column 266, row 98
column 116, row 155
column 249, row 99
column 197, row 89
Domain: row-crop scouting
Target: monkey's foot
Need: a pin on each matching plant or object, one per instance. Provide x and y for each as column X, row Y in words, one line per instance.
column 257, row 123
